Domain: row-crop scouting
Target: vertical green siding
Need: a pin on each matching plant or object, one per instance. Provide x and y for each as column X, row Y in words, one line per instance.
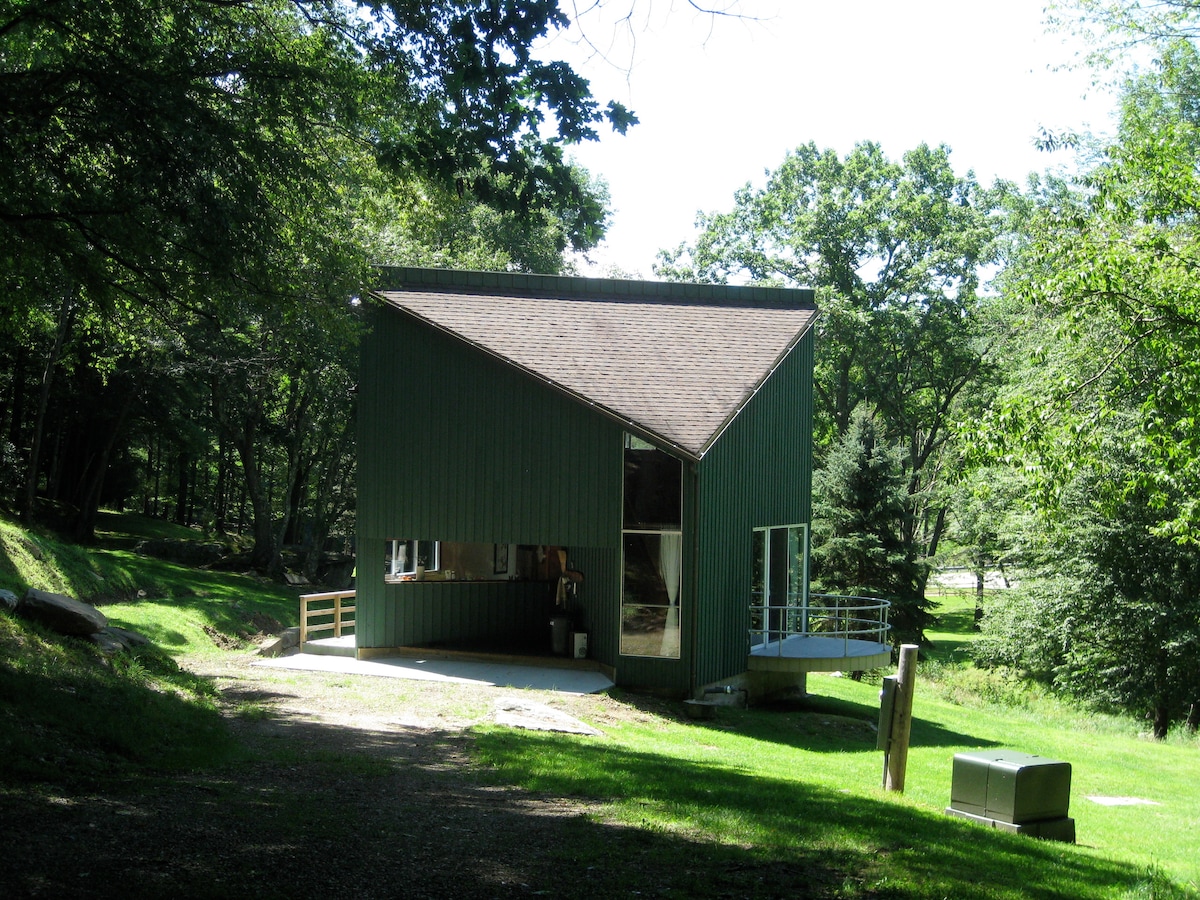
column 515, row 614
column 597, row 610
column 758, row 473
column 456, row 446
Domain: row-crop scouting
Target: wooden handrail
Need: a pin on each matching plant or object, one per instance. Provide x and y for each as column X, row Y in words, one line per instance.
column 343, row 613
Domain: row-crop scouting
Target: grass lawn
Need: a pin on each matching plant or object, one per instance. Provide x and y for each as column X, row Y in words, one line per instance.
column 182, row 603
column 800, row 784
column 793, row 788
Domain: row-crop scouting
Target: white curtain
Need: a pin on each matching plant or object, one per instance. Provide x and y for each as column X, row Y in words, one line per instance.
column 670, row 560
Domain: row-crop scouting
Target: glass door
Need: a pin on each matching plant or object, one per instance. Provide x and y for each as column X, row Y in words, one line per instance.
column 779, row 586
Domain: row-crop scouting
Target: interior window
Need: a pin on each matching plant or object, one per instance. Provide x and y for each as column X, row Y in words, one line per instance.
column 405, row 557
column 413, row 560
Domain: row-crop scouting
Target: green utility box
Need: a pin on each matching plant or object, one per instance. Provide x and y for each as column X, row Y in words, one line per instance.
column 1013, row 792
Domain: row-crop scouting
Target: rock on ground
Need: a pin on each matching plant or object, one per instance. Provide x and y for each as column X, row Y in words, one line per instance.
column 60, row 613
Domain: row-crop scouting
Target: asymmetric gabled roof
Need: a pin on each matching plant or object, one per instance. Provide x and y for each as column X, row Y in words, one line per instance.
column 675, row 362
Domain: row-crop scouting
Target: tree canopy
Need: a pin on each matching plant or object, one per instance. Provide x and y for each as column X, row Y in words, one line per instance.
column 1107, row 609
column 148, row 146
column 1109, row 264
column 192, row 193
column 1099, row 406
column 896, row 251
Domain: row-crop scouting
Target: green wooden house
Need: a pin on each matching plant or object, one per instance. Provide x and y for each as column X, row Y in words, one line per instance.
column 615, row 471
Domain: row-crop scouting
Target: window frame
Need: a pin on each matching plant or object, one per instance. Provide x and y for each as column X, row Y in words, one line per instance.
column 800, row 561
column 392, row 574
column 623, row 646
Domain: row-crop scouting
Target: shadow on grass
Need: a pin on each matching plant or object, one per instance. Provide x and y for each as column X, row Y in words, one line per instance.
column 948, row 650
column 951, row 639
column 956, row 621
column 337, row 812
column 348, row 812
column 125, row 529
column 234, row 605
column 306, row 809
column 829, row 725
column 62, row 724
column 913, row 852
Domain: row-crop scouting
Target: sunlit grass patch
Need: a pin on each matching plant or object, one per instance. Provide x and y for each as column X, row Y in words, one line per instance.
column 803, row 780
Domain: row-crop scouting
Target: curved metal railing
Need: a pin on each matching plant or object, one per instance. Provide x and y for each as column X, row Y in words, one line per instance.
column 825, row 616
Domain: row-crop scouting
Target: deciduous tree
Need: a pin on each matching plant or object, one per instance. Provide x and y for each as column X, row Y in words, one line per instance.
column 210, row 167
column 896, row 251
column 1107, row 611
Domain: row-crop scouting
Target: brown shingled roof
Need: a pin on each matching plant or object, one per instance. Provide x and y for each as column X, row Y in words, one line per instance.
column 675, row 367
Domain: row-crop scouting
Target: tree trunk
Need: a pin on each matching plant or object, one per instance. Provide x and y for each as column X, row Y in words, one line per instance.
column 842, row 407
column 16, row 413
column 241, row 430
column 334, row 467
column 156, row 468
column 66, row 321
column 265, row 554
column 219, row 498
column 182, row 471
column 1162, row 721
column 1193, row 719
column 89, row 507
column 935, row 538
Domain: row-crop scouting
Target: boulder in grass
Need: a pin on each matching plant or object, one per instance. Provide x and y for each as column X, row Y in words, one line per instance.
column 129, row 638
column 108, row 643
column 118, row 640
column 62, row 614
column 9, row 601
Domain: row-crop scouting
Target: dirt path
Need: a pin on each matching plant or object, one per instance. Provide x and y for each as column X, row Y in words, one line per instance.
column 359, row 787
column 351, row 787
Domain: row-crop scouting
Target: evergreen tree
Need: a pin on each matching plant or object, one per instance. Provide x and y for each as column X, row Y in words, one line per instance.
column 861, row 505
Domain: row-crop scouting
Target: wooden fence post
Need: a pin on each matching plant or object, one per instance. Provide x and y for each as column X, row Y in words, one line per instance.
column 895, row 757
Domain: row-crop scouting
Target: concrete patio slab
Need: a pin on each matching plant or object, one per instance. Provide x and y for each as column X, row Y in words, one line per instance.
column 484, row 674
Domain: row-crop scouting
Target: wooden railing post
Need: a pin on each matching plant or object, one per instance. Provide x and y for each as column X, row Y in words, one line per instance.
column 895, row 757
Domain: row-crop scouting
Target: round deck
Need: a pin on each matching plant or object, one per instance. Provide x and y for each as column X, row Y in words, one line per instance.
column 807, row 653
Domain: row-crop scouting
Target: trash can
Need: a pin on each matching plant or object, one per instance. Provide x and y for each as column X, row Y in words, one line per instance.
column 1013, row 791
column 560, row 632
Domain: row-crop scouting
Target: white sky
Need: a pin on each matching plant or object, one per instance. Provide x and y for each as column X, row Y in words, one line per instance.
column 721, row 101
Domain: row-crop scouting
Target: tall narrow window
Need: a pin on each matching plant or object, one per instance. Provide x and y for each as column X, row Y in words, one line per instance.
column 651, row 551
